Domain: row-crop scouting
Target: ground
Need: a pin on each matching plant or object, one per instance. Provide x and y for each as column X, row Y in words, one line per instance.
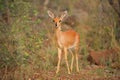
column 92, row 72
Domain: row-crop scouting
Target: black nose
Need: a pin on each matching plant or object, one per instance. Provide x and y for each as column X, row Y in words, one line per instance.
column 55, row 24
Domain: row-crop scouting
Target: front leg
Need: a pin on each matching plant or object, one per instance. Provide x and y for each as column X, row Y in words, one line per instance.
column 59, row 59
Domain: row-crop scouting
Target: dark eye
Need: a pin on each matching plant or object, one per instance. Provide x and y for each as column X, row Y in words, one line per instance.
column 59, row 20
column 53, row 21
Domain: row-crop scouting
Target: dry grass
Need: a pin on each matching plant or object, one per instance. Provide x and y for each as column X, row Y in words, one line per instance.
column 28, row 46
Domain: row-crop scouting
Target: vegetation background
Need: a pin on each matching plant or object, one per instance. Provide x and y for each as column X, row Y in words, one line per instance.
column 27, row 44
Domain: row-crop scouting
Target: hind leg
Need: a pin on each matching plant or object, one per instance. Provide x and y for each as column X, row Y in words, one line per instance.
column 72, row 61
column 66, row 60
column 76, row 56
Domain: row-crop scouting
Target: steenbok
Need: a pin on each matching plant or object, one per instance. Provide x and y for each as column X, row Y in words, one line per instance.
column 65, row 40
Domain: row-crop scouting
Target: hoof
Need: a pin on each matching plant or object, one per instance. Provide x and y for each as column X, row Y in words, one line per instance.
column 69, row 73
column 57, row 71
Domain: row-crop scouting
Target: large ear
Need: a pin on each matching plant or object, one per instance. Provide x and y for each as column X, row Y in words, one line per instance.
column 50, row 14
column 63, row 15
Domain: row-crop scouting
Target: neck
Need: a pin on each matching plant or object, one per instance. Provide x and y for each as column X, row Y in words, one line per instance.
column 58, row 32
